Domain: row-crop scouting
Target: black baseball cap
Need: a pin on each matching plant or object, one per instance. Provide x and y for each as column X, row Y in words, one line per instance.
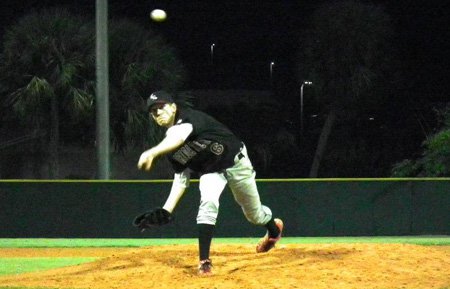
column 159, row 96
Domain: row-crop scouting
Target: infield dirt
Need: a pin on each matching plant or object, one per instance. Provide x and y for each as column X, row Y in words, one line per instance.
column 311, row 266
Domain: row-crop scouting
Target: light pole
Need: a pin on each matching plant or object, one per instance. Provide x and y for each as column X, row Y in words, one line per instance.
column 271, row 72
column 102, row 95
column 301, row 104
column 212, row 53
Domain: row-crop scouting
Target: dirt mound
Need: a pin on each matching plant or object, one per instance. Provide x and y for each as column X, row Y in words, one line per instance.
column 238, row 266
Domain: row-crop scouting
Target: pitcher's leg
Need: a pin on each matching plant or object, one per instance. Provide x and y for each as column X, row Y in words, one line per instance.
column 211, row 187
column 241, row 179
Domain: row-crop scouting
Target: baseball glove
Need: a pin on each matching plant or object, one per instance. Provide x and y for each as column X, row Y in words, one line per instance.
column 154, row 218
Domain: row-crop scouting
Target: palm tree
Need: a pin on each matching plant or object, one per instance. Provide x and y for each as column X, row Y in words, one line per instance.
column 48, row 65
column 140, row 62
column 346, row 54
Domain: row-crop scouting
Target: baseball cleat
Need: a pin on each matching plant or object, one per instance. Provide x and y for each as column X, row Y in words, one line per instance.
column 266, row 243
column 205, row 267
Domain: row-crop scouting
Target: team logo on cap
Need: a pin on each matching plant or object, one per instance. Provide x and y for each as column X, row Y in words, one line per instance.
column 153, row 97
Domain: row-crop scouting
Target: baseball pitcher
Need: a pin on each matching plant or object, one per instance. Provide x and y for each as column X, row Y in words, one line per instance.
column 196, row 142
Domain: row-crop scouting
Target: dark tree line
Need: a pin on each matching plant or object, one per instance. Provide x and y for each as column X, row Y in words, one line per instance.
column 359, row 118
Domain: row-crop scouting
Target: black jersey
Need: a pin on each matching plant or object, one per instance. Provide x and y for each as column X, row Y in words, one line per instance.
column 211, row 147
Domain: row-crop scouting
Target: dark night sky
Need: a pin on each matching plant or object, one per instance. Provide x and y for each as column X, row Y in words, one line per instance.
column 248, row 35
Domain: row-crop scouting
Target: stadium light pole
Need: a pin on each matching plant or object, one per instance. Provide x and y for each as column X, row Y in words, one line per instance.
column 301, row 104
column 102, row 93
column 212, row 53
column 271, row 72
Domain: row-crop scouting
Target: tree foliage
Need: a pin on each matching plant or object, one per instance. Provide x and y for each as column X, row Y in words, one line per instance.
column 48, row 78
column 347, row 53
column 435, row 159
column 141, row 62
column 47, row 70
column 45, row 53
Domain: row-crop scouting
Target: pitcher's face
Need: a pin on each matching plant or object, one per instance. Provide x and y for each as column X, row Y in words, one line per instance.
column 164, row 113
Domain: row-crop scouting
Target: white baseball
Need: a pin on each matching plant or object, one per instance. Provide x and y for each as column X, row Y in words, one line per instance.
column 158, row 15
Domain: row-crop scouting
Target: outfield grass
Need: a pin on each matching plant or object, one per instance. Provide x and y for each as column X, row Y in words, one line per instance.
column 77, row 243
column 10, row 266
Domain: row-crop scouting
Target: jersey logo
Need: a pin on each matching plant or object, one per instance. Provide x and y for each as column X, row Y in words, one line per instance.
column 217, row 148
column 184, row 154
column 189, row 150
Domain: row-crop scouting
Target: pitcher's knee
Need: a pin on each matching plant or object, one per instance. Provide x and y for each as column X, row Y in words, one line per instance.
column 258, row 216
column 207, row 212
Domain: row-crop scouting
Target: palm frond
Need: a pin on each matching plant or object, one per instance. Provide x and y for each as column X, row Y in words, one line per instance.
column 82, row 103
column 29, row 101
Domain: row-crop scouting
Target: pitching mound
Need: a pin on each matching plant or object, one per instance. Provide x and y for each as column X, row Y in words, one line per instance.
column 238, row 266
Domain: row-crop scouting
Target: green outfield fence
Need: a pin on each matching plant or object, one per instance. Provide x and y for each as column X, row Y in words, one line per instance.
column 309, row 207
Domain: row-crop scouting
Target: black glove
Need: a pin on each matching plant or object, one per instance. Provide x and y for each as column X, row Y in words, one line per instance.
column 154, row 218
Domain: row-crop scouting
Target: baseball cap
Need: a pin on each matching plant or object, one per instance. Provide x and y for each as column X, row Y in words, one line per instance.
column 159, row 96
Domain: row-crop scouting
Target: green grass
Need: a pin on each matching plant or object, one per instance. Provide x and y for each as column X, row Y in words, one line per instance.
column 80, row 243
column 11, row 266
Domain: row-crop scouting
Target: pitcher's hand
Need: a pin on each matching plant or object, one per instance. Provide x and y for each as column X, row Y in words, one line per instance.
column 146, row 161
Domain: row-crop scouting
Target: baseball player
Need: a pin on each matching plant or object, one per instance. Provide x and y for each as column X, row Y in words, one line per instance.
column 196, row 142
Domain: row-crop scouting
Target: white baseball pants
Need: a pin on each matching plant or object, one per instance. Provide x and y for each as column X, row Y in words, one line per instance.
column 241, row 180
